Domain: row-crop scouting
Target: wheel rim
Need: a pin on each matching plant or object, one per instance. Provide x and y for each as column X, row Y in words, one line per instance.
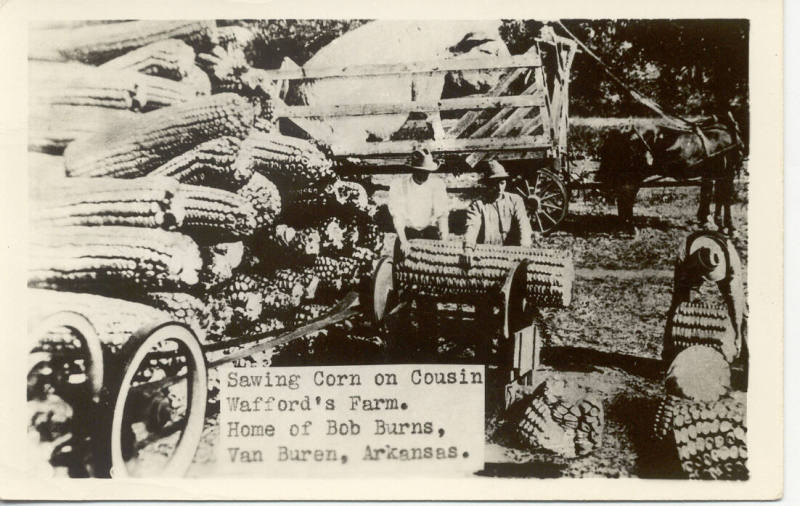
column 65, row 374
column 383, row 289
column 546, row 200
column 160, row 409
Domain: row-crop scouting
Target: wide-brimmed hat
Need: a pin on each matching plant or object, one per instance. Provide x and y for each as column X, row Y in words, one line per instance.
column 421, row 159
column 494, row 171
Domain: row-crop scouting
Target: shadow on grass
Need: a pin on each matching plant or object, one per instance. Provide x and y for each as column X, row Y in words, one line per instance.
column 655, row 459
column 523, row 470
column 584, row 225
column 570, row 358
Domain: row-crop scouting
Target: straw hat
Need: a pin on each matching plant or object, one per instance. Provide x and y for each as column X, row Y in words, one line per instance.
column 421, row 159
column 495, row 171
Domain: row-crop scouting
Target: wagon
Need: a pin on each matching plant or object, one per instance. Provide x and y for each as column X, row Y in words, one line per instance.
column 522, row 121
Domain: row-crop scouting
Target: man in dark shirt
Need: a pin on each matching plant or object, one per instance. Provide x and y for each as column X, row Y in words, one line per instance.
column 498, row 217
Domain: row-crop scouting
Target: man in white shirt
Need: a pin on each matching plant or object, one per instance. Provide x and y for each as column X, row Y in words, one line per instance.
column 418, row 202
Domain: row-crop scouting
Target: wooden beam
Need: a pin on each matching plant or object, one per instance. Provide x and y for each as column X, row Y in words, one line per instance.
column 447, row 146
column 451, row 104
column 530, row 59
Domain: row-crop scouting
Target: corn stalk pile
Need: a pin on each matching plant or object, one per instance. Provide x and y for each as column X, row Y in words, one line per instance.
column 173, row 189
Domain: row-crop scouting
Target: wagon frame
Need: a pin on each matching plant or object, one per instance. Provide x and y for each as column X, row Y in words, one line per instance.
column 523, row 121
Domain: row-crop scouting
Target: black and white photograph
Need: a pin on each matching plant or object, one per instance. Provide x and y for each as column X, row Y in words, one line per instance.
column 501, row 250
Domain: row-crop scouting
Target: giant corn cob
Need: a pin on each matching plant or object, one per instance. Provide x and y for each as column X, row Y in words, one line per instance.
column 138, row 147
column 52, row 127
column 709, row 438
column 264, row 197
column 338, row 236
column 309, row 312
column 285, row 160
column 112, row 259
column 370, row 235
column 144, row 202
column 98, row 43
column 217, row 213
column 107, row 201
column 230, row 37
column 114, row 320
column 181, row 307
column 198, row 81
column 219, row 315
column 434, row 268
column 252, row 297
column 563, row 419
column 73, row 84
column 171, row 58
column 343, row 199
column 699, row 324
column 210, row 163
column 219, row 262
column 278, row 303
column 228, row 70
column 244, row 296
column 284, row 246
column 287, row 280
column 336, row 274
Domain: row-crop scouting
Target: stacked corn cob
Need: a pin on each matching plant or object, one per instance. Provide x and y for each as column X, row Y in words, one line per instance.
column 132, row 67
column 700, row 324
column 701, row 421
column 710, row 438
column 179, row 192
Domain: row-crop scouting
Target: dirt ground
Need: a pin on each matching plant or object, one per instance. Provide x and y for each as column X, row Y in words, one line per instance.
column 609, row 339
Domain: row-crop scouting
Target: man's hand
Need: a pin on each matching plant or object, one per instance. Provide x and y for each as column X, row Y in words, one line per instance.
column 466, row 259
column 405, row 247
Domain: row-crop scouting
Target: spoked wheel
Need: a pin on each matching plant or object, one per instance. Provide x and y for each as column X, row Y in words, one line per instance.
column 65, row 376
column 546, row 199
column 160, row 408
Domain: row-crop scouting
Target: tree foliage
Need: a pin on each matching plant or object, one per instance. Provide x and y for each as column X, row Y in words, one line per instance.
column 689, row 66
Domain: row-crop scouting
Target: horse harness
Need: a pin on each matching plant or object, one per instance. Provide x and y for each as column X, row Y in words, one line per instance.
column 697, row 130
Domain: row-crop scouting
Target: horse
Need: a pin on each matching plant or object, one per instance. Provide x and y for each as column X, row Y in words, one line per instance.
column 712, row 150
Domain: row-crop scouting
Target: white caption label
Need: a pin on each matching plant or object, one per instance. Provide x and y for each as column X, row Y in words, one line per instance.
column 359, row 420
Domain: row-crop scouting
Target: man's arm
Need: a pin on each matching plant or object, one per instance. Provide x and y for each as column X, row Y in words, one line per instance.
column 396, row 207
column 473, row 225
column 441, row 209
column 444, row 227
column 522, row 222
column 474, row 220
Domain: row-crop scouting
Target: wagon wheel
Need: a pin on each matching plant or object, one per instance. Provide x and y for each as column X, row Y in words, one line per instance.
column 65, row 377
column 160, row 406
column 546, row 199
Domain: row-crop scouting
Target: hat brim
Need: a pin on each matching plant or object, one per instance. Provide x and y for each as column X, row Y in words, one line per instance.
column 428, row 167
column 718, row 273
column 496, row 177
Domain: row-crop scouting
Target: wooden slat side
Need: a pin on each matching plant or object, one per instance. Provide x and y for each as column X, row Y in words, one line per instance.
column 506, row 125
column 375, row 109
column 402, row 148
column 529, row 59
column 469, row 118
